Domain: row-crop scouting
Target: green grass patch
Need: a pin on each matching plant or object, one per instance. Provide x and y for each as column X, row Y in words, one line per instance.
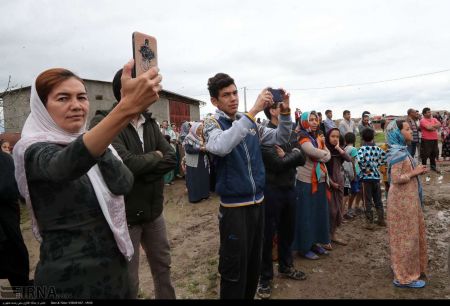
column 193, row 287
column 212, row 261
column 24, row 214
column 379, row 138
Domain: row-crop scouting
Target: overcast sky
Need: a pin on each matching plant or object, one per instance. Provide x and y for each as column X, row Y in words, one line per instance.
column 292, row 44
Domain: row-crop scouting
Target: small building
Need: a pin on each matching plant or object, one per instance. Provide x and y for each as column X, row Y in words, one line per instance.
column 171, row 106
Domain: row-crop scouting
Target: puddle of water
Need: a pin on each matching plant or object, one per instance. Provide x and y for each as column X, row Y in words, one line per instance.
column 443, row 216
column 436, row 179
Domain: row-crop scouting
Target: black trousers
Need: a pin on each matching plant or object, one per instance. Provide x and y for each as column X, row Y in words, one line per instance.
column 279, row 212
column 372, row 195
column 241, row 232
column 429, row 149
column 14, row 258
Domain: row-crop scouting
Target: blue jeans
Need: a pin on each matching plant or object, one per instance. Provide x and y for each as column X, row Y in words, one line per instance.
column 412, row 148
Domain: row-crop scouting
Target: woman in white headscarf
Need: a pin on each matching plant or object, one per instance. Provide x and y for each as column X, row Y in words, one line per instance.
column 197, row 164
column 74, row 183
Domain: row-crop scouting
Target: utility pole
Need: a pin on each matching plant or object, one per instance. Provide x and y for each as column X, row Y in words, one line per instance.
column 245, row 99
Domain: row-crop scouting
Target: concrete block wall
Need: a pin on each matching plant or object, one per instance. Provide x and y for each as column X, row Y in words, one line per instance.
column 17, row 105
column 16, row 108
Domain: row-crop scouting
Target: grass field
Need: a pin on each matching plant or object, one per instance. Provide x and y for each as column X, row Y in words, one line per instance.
column 379, row 138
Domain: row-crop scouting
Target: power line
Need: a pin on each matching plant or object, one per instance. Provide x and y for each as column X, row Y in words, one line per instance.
column 366, row 83
column 347, row 85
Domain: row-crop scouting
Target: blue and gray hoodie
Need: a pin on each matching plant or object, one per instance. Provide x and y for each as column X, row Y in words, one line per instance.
column 235, row 145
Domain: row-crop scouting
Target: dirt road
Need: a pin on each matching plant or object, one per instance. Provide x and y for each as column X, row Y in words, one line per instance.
column 359, row 270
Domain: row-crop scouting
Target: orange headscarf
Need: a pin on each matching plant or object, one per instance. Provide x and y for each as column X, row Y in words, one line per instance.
column 306, row 135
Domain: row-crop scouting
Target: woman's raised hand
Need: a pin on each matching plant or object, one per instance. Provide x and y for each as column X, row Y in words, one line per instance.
column 140, row 92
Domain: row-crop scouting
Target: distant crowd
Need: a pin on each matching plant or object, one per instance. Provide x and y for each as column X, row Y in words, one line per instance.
column 95, row 191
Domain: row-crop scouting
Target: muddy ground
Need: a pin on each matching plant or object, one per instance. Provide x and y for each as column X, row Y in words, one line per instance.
column 359, row 270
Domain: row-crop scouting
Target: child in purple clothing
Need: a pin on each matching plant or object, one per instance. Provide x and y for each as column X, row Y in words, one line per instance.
column 336, row 175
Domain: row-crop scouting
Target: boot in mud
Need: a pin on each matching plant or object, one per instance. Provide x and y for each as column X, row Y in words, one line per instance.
column 380, row 220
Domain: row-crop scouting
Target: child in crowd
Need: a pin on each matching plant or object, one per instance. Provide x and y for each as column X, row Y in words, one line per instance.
column 353, row 183
column 336, row 175
column 370, row 158
column 5, row 146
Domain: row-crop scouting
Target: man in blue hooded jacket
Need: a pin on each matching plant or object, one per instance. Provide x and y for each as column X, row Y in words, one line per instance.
column 234, row 139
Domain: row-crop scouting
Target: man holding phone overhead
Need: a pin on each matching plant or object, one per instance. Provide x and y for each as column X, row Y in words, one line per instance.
column 280, row 163
column 234, row 139
column 148, row 155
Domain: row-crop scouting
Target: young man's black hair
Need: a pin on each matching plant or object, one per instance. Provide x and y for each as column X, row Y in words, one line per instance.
column 350, row 138
column 425, row 110
column 217, row 82
column 117, row 85
column 267, row 110
column 365, row 113
column 367, row 135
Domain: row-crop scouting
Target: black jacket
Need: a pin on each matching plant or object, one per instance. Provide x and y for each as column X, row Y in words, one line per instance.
column 14, row 263
column 145, row 201
column 280, row 172
column 9, row 195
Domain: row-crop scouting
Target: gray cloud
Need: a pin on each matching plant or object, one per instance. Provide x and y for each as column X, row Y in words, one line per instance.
column 294, row 44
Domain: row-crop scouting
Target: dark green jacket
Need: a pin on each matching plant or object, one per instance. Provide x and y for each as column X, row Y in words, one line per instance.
column 145, row 201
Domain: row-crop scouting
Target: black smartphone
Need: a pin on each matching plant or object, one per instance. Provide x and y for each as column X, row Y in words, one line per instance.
column 144, row 53
column 277, row 94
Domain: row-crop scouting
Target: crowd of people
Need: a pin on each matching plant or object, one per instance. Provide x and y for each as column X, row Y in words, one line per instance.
column 96, row 191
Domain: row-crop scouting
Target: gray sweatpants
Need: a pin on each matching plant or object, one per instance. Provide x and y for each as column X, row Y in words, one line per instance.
column 153, row 238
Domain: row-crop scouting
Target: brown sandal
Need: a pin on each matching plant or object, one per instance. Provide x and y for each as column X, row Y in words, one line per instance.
column 327, row 247
column 337, row 241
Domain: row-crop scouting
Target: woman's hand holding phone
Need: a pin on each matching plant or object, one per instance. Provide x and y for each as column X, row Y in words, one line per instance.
column 140, row 92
